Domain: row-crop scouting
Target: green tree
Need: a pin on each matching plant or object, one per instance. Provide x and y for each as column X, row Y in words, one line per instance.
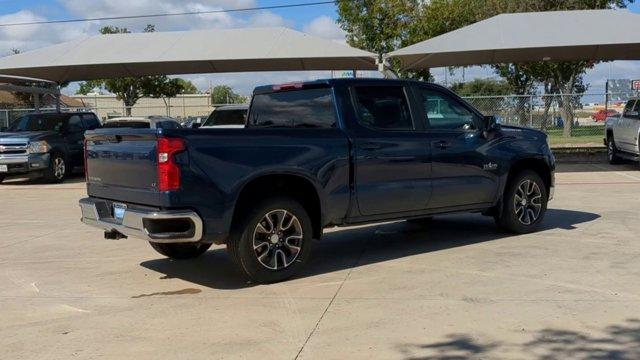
column 380, row 26
column 224, row 94
column 186, row 86
column 131, row 89
column 483, row 87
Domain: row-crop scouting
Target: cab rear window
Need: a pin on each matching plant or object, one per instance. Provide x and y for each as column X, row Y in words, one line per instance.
column 306, row 108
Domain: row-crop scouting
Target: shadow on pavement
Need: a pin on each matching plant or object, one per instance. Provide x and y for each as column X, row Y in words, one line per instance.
column 346, row 248
column 74, row 178
column 614, row 342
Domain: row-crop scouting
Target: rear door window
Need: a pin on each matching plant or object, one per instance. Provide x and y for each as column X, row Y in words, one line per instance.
column 75, row 124
column 383, row 107
column 91, row 122
column 310, row 108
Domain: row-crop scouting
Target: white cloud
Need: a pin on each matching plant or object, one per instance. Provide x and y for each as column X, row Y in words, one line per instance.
column 325, row 27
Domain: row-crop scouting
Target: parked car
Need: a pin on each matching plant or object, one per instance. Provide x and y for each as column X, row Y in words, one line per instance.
column 228, row 116
column 192, row 122
column 150, row 122
column 602, row 115
column 622, row 134
column 46, row 144
column 316, row 154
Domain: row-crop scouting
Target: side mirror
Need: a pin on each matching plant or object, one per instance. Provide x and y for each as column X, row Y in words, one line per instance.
column 196, row 125
column 491, row 126
column 491, row 123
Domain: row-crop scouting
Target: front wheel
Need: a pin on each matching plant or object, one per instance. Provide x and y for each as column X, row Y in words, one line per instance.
column 524, row 204
column 181, row 251
column 57, row 171
column 273, row 240
column 612, row 151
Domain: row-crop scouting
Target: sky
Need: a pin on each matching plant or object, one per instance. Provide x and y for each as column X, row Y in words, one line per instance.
column 315, row 20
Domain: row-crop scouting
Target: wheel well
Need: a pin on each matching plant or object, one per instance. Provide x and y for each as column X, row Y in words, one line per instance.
column 296, row 187
column 537, row 165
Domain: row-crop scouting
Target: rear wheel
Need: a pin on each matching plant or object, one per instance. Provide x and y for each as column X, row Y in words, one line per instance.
column 612, row 151
column 181, row 251
column 273, row 240
column 2, row 177
column 57, row 171
column 524, row 204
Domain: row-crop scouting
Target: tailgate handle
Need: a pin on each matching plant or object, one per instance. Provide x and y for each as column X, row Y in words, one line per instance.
column 113, row 138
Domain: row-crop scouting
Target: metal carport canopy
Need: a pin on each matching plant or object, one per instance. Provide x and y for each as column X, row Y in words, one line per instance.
column 529, row 37
column 186, row 52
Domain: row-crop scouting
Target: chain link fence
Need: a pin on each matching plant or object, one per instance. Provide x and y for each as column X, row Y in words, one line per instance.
column 580, row 124
column 575, row 124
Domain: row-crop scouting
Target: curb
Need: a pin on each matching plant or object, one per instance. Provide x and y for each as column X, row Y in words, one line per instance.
column 589, row 154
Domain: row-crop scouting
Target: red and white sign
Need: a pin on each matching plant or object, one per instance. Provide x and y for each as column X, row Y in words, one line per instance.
column 635, row 85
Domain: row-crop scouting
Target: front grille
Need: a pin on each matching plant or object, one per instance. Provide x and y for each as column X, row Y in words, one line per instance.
column 13, row 149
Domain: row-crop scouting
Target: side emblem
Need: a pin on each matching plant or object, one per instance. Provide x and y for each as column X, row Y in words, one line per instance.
column 490, row 166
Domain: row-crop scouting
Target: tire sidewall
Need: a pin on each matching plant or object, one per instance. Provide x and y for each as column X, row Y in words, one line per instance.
column 246, row 254
column 612, row 150
column 508, row 219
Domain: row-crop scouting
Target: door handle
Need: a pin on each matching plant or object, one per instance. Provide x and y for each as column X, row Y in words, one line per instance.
column 370, row 146
column 443, row 145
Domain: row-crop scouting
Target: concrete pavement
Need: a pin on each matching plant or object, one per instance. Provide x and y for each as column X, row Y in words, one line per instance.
column 458, row 288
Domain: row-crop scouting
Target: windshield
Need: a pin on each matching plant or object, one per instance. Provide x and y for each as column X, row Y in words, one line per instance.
column 227, row 117
column 38, row 122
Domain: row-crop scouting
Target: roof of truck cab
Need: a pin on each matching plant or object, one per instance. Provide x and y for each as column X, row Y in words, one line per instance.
column 266, row 89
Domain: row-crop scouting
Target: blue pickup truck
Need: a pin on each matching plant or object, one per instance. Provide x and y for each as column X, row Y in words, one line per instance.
column 314, row 154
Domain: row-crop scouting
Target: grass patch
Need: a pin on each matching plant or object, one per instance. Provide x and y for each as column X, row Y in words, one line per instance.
column 581, row 135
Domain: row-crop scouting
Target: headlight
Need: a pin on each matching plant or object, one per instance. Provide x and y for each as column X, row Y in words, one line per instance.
column 39, row 147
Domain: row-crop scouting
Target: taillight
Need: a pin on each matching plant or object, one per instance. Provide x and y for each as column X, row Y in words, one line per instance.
column 168, row 170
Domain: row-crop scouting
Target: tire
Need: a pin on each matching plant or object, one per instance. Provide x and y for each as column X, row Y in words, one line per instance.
column 425, row 221
column 272, row 242
column 181, row 251
column 516, row 217
column 57, row 170
column 2, row 177
column 612, row 151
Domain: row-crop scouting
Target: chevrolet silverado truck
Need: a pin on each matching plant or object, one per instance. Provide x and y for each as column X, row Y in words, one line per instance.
column 316, row 154
column 45, row 144
column 623, row 134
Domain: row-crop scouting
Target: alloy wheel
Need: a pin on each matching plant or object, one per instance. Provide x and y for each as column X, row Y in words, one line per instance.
column 59, row 168
column 277, row 239
column 528, row 202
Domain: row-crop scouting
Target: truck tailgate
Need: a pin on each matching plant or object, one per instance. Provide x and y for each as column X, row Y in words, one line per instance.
column 122, row 158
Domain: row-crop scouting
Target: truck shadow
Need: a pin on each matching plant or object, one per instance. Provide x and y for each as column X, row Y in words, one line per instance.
column 353, row 247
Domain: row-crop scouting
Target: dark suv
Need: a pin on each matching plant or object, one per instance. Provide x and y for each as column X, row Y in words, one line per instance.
column 49, row 144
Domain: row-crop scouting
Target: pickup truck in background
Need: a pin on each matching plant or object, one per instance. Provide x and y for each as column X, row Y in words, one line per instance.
column 315, row 154
column 46, row 144
column 623, row 134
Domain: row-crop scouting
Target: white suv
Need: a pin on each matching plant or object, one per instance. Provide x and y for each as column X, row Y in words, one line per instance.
column 622, row 134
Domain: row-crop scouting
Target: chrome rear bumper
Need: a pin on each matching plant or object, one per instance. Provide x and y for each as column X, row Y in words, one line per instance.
column 175, row 226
